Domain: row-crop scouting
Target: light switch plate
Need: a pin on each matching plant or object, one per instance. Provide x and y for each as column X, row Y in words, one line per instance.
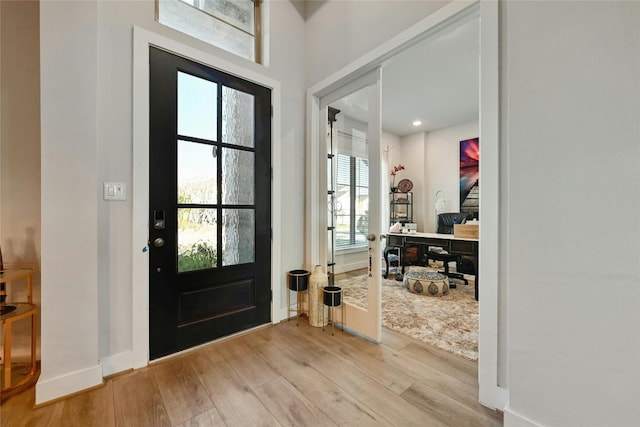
column 115, row 191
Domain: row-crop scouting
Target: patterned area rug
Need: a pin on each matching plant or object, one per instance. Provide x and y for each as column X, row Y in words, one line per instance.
column 449, row 322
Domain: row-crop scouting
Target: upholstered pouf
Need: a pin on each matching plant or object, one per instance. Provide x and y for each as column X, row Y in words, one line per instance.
column 425, row 282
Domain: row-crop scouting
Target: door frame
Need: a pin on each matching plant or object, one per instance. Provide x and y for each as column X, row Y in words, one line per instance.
column 492, row 359
column 142, row 40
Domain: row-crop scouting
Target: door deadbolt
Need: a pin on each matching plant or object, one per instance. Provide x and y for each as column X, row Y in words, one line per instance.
column 158, row 242
column 158, row 220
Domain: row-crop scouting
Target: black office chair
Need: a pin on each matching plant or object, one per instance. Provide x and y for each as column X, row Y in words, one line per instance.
column 446, row 221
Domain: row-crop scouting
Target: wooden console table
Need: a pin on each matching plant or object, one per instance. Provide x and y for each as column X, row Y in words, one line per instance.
column 454, row 245
column 11, row 313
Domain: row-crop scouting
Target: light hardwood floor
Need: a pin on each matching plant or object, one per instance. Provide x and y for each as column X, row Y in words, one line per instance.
column 279, row 375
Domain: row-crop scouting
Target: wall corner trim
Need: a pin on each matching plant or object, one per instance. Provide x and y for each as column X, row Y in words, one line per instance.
column 117, row 363
column 64, row 385
column 512, row 419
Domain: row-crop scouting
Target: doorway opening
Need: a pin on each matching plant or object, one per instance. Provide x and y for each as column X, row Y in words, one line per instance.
column 490, row 361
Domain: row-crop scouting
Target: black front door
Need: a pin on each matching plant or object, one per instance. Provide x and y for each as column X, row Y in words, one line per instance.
column 209, row 204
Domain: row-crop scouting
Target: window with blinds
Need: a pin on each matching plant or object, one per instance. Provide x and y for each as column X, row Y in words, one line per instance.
column 352, row 201
column 232, row 25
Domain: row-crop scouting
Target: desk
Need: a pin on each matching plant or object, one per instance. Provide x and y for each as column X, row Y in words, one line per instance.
column 11, row 315
column 453, row 245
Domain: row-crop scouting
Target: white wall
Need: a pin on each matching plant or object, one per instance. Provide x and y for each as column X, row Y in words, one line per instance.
column 571, row 197
column 391, row 152
column 442, row 168
column 69, row 315
column 86, row 75
column 413, row 149
column 340, row 31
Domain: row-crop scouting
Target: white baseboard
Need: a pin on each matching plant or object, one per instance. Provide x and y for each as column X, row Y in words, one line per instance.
column 54, row 388
column 279, row 314
column 511, row 419
column 117, row 363
column 344, row 268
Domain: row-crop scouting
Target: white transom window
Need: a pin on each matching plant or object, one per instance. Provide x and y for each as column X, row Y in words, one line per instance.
column 232, row 25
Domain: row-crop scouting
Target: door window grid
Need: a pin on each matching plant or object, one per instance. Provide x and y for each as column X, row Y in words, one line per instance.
column 207, row 229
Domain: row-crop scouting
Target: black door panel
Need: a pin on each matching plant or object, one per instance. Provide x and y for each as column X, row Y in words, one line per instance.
column 210, row 184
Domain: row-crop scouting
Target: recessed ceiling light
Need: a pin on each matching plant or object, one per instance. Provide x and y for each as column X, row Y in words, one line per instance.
column 417, row 123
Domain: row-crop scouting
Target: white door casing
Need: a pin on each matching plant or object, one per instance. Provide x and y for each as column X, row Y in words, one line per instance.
column 142, row 39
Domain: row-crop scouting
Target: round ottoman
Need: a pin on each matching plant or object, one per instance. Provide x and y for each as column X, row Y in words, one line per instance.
column 424, row 282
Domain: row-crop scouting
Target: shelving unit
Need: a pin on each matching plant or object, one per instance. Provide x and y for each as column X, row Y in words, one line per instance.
column 400, row 210
column 400, row 207
column 331, row 196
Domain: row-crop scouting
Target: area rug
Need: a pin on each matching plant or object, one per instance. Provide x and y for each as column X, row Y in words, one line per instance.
column 449, row 322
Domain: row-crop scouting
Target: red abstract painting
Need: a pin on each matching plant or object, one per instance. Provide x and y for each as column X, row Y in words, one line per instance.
column 470, row 176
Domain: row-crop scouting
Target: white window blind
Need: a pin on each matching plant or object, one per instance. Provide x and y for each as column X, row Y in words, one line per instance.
column 352, row 201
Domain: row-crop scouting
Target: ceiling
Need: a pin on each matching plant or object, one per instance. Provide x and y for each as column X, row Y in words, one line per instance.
column 435, row 81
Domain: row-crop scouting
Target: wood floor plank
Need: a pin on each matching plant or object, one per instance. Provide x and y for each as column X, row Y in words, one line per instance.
column 396, row 410
column 233, row 349
column 253, row 370
column 423, row 370
column 235, row 401
column 291, row 407
column 289, row 337
column 206, row 419
column 351, row 350
column 393, row 340
column 137, row 400
column 456, row 366
column 279, row 375
column 183, row 394
column 445, row 408
column 341, row 407
column 257, row 338
column 212, row 350
column 94, row 408
column 18, row 412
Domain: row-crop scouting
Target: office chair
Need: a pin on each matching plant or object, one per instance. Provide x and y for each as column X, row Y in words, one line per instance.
column 446, row 221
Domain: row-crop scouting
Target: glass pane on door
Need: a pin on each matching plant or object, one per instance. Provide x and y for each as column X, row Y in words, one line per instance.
column 238, row 236
column 197, row 239
column 351, row 205
column 237, row 117
column 237, row 177
column 197, row 107
column 197, row 182
column 362, row 200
